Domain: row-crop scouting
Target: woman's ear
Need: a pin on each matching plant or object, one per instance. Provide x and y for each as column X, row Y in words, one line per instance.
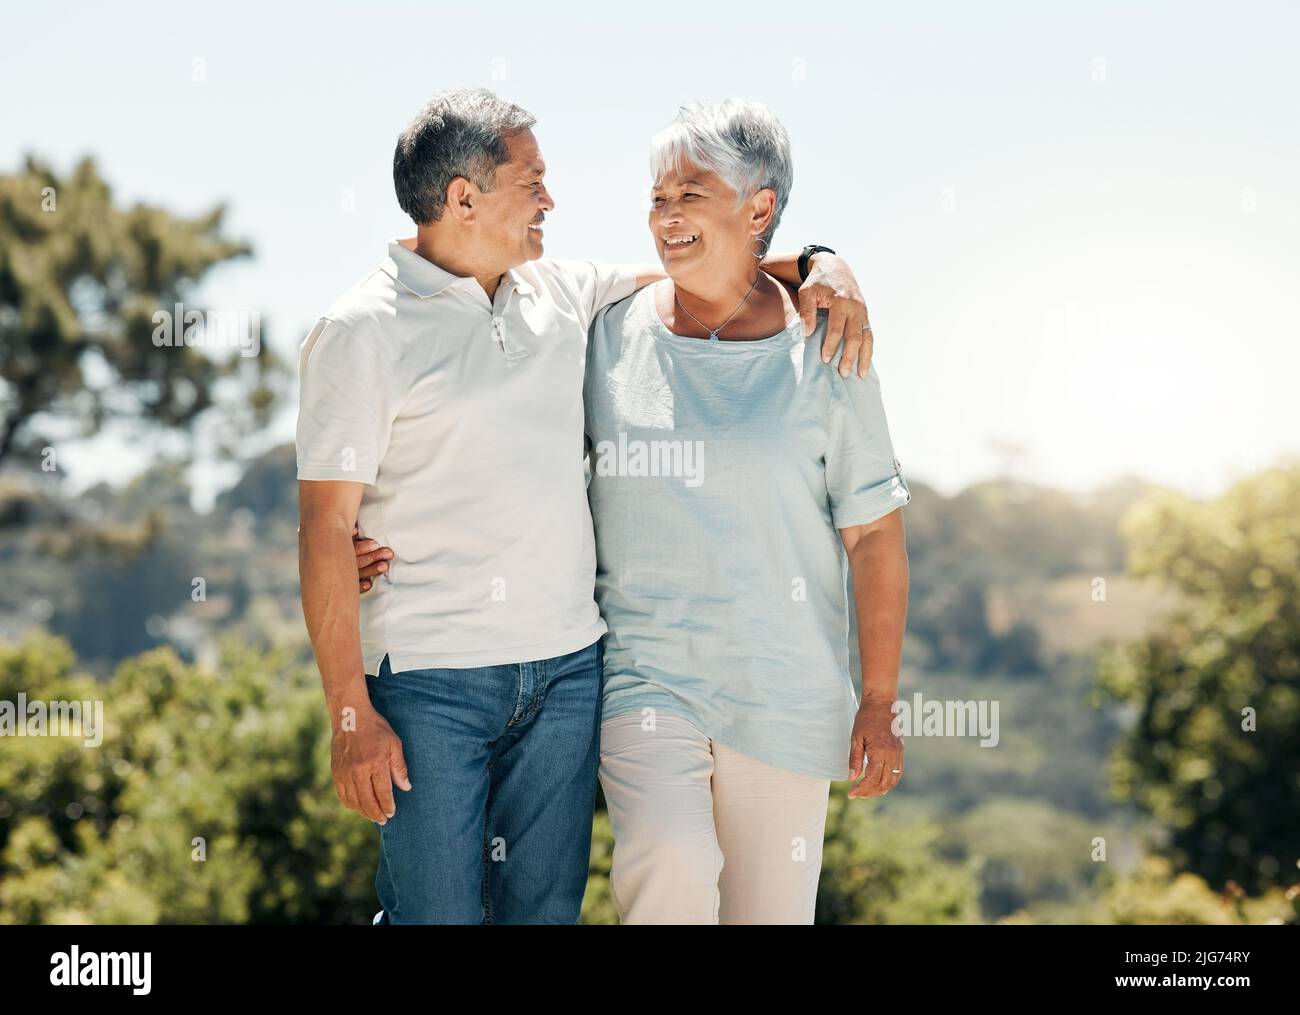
column 763, row 207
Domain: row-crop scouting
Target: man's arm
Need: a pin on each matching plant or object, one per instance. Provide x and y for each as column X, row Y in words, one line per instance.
column 877, row 555
column 830, row 284
column 366, row 754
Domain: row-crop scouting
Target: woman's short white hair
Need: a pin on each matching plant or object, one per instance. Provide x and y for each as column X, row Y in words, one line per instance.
column 743, row 142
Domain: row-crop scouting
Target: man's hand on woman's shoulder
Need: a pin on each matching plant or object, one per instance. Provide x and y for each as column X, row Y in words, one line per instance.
column 831, row 285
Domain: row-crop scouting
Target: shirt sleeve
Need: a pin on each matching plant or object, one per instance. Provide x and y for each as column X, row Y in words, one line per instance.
column 344, row 413
column 864, row 480
column 598, row 284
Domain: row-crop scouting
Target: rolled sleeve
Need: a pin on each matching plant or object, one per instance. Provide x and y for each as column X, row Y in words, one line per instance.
column 343, row 418
column 864, row 480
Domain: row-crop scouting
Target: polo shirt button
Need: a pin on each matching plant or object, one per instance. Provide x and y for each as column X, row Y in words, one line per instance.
column 498, row 329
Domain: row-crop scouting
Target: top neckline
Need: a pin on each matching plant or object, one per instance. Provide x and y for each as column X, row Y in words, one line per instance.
column 709, row 344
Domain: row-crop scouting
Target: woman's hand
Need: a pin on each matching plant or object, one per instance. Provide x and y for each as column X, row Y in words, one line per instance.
column 831, row 284
column 372, row 559
column 873, row 736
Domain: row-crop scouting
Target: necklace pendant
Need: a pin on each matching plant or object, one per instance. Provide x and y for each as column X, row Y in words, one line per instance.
column 713, row 336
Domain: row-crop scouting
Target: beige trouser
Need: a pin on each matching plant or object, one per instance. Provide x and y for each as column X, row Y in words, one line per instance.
column 704, row 834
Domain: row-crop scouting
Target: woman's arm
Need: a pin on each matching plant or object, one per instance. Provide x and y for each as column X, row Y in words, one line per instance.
column 877, row 555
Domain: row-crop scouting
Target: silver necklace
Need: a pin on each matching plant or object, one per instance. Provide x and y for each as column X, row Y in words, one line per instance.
column 713, row 332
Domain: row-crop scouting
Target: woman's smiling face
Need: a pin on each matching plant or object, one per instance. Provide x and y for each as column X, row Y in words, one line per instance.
column 697, row 222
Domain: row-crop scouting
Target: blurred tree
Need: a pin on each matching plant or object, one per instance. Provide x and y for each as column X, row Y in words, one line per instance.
column 1214, row 754
column 995, row 535
column 1028, row 852
column 1155, row 893
column 209, row 800
column 267, row 489
column 881, row 871
column 81, row 280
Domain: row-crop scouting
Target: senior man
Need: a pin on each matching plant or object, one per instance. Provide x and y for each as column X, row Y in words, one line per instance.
column 441, row 415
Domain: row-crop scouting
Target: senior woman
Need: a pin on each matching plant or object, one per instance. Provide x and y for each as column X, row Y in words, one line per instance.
column 750, row 552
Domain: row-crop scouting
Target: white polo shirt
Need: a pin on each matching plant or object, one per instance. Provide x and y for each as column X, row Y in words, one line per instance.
column 464, row 416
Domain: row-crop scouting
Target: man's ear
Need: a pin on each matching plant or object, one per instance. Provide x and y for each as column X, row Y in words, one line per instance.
column 462, row 195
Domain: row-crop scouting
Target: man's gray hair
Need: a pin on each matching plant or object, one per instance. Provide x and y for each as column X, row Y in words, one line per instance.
column 743, row 142
column 461, row 132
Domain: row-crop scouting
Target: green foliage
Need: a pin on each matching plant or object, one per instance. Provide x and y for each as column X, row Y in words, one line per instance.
column 209, row 801
column 598, row 903
column 81, row 279
column 1228, row 794
column 880, row 870
column 1027, row 852
column 239, row 758
column 1049, row 749
column 1155, row 893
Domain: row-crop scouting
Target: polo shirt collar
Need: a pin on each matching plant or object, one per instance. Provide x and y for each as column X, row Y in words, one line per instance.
column 422, row 278
column 521, row 284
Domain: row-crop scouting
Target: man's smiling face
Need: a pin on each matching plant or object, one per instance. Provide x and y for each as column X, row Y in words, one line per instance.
column 512, row 211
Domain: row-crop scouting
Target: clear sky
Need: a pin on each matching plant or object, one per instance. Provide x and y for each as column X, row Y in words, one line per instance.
column 1075, row 224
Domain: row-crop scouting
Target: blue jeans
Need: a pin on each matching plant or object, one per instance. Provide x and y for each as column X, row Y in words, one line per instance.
column 496, row 827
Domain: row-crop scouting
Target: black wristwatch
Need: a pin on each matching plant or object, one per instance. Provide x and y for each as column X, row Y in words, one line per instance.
column 807, row 254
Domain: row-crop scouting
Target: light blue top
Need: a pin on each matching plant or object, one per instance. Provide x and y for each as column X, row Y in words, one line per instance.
column 720, row 474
